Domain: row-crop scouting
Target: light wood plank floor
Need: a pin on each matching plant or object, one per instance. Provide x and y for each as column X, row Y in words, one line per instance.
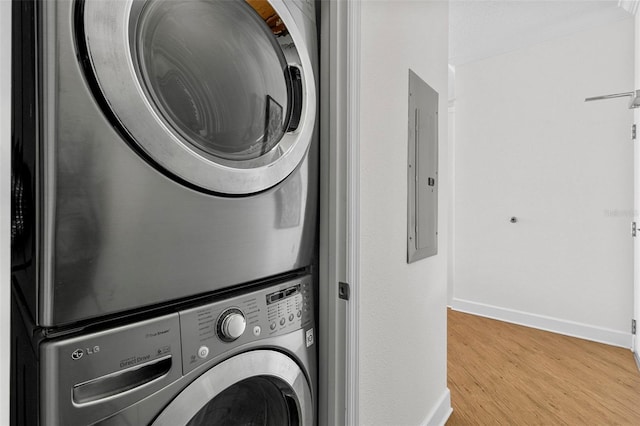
column 505, row 374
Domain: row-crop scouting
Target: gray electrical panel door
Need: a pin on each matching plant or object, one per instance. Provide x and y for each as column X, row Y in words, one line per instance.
column 422, row 217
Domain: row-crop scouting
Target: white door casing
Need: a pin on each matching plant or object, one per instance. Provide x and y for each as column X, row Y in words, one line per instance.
column 339, row 212
column 636, row 194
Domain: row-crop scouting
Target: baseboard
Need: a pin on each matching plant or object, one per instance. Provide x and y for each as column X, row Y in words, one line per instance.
column 441, row 412
column 555, row 325
column 637, row 358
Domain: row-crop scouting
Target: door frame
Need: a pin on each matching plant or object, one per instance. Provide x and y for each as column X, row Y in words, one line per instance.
column 338, row 401
column 632, row 6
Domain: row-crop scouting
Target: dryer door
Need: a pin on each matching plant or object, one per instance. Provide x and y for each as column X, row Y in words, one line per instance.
column 261, row 387
column 219, row 94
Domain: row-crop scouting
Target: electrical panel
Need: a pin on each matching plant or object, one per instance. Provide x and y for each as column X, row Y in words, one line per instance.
column 422, row 217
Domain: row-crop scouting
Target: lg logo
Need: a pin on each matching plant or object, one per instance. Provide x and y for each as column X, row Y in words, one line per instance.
column 79, row 353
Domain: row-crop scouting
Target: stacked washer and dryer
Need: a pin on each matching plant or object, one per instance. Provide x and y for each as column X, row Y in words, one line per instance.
column 164, row 212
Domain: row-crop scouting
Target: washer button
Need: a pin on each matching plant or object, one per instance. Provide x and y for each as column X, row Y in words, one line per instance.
column 257, row 330
column 291, row 317
column 273, row 326
column 203, row 352
column 299, row 313
column 282, row 321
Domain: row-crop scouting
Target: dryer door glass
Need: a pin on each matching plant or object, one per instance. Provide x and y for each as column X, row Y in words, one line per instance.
column 255, row 401
column 217, row 74
column 219, row 94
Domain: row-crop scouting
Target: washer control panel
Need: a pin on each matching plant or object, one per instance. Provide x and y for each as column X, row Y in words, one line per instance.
column 210, row 330
column 284, row 307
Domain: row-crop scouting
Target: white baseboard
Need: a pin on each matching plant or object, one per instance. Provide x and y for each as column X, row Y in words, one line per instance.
column 555, row 325
column 637, row 358
column 441, row 412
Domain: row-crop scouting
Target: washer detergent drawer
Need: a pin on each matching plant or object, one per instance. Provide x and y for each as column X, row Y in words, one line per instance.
column 122, row 381
column 88, row 378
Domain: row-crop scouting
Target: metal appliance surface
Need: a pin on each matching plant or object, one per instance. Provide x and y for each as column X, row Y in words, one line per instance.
column 188, row 368
column 162, row 150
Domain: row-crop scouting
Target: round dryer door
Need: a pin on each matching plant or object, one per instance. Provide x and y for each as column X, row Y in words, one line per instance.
column 261, row 387
column 218, row 93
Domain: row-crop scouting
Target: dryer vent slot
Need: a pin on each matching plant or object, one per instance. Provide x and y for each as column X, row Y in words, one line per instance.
column 121, row 381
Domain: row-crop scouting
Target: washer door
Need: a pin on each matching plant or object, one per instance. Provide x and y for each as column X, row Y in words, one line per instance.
column 254, row 388
column 218, row 93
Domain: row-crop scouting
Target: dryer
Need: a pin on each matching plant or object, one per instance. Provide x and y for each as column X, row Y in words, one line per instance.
column 162, row 150
column 247, row 360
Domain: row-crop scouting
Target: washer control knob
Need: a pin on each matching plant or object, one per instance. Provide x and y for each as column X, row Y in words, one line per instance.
column 231, row 324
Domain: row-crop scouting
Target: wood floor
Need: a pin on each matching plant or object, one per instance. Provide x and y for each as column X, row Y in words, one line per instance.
column 505, row 374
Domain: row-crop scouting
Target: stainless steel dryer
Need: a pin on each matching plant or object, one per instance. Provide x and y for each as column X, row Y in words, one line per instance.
column 247, row 360
column 163, row 149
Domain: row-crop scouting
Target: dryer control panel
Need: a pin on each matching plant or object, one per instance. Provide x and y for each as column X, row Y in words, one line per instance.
column 210, row 330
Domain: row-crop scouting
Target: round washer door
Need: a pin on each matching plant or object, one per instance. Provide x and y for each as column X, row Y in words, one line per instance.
column 218, row 93
column 261, row 387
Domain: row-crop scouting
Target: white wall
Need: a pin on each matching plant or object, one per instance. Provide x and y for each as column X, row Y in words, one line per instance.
column 452, row 196
column 402, row 307
column 5, row 167
column 528, row 146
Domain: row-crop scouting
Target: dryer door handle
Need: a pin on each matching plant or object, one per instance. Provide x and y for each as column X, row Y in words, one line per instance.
column 295, row 111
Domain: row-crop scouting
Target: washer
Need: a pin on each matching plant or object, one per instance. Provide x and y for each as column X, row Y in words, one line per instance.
column 162, row 150
column 246, row 360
